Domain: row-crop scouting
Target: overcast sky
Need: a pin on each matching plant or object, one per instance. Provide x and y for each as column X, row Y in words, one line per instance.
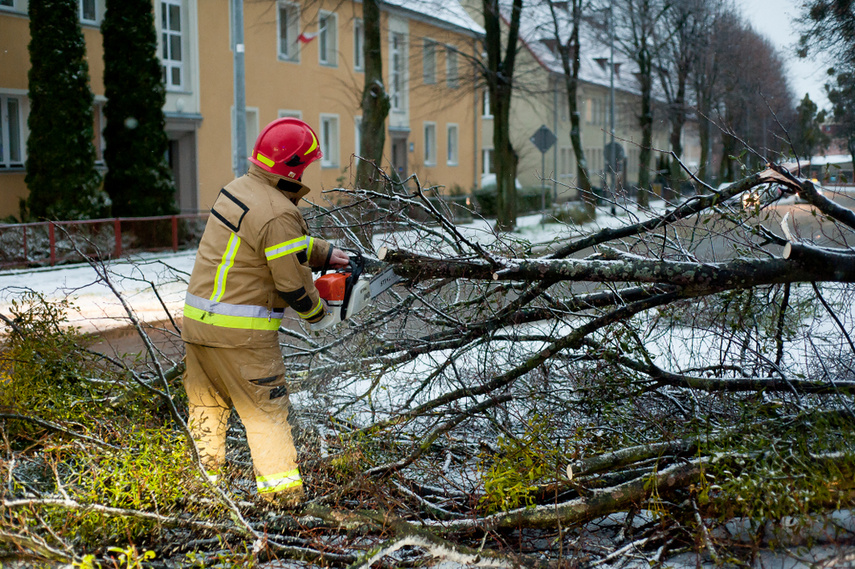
column 777, row 20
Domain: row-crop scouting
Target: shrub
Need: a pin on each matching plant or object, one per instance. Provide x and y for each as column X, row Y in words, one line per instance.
column 528, row 200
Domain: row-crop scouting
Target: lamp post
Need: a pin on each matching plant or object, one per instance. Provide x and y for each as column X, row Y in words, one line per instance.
column 239, row 88
column 612, row 157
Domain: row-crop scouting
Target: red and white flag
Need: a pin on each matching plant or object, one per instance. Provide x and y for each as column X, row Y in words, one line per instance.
column 306, row 38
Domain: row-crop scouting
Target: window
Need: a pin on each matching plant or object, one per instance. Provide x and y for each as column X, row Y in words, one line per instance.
column 451, row 79
column 329, row 140
column 290, row 113
column 171, row 38
column 251, row 134
column 357, row 139
column 289, row 31
column 567, row 158
column 10, row 3
column 594, row 111
column 11, row 133
column 98, row 141
column 88, row 11
column 396, row 71
column 487, row 166
column 452, row 131
column 429, row 62
column 327, row 38
column 358, row 45
column 430, row 144
column 485, row 105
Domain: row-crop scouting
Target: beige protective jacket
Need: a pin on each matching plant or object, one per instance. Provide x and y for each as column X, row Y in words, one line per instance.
column 254, row 259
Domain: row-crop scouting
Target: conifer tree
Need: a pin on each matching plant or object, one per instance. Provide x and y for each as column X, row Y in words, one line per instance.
column 61, row 174
column 138, row 179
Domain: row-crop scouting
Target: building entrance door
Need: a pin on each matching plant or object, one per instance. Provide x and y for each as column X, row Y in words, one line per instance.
column 399, row 155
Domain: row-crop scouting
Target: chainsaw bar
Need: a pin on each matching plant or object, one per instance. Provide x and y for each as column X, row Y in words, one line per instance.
column 382, row 281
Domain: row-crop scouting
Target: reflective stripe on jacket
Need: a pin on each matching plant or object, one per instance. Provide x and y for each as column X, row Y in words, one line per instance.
column 254, row 260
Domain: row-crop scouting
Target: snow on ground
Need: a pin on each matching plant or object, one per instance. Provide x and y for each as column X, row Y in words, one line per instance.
column 97, row 308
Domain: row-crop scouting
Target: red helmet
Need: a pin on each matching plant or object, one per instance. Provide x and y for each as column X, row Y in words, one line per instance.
column 285, row 147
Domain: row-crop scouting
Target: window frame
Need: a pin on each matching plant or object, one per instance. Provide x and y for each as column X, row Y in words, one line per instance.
column 10, row 6
column 6, row 162
column 100, row 125
column 81, row 14
column 252, row 131
column 357, row 135
column 487, row 165
column 452, row 69
column 170, row 64
column 429, row 61
column 331, row 148
column 358, row 44
column 429, row 144
column 397, row 67
column 327, row 38
column 290, row 51
column 486, row 111
column 452, row 158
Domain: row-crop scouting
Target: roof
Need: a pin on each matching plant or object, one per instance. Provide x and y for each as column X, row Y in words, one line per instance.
column 537, row 32
column 439, row 12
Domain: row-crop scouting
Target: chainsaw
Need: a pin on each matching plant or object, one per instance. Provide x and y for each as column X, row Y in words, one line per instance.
column 347, row 291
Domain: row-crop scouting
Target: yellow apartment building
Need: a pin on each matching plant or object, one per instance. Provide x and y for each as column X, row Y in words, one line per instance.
column 303, row 59
column 541, row 100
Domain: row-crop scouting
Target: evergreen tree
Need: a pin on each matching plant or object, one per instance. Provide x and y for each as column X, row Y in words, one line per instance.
column 61, row 174
column 808, row 137
column 138, row 179
column 841, row 94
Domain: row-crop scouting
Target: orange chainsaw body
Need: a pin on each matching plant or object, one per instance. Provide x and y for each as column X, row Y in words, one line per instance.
column 332, row 287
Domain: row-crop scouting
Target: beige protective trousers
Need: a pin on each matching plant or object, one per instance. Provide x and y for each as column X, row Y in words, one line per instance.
column 253, row 382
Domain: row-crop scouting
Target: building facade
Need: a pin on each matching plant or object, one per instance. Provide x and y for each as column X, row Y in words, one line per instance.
column 541, row 100
column 302, row 59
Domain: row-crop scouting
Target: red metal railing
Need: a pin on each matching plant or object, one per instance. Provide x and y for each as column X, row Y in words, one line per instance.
column 52, row 242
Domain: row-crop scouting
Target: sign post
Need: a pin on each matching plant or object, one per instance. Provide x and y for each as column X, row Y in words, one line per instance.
column 543, row 139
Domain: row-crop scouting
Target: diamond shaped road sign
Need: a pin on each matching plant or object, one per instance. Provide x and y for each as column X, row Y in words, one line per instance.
column 543, row 139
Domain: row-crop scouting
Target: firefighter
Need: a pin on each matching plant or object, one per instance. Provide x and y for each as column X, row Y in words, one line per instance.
column 254, row 260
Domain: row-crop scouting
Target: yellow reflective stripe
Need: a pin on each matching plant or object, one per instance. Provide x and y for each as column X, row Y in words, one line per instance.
column 313, row 146
column 225, row 321
column 264, row 159
column 279, row 482
column 225, row 265
column 312, row 312
column 309, row 249
column 286, row 248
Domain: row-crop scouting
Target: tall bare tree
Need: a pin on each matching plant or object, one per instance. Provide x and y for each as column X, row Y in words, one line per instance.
column 640, row 35
column 567, row 18
column 501, row 49
column 375, row 98
column 688, row 21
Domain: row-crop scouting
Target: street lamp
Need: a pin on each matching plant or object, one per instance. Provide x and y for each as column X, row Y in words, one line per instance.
column 612, row 156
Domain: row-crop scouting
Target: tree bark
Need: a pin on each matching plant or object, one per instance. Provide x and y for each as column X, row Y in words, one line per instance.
column 499, row 77
column 375, row 100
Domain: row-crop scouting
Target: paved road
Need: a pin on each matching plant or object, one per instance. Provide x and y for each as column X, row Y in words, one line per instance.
column 718, row 239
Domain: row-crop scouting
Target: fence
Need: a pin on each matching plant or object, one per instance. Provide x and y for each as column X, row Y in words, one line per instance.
column 53, row 242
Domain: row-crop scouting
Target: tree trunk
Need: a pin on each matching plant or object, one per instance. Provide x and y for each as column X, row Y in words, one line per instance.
column 375, row 109
column 678, row 120
column 704, row 171
column 375, row 100
column 499, row 77
column 571, row 83
column 646, row 123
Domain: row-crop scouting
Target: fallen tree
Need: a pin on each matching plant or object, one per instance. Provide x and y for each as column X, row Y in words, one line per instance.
column 513, row 401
